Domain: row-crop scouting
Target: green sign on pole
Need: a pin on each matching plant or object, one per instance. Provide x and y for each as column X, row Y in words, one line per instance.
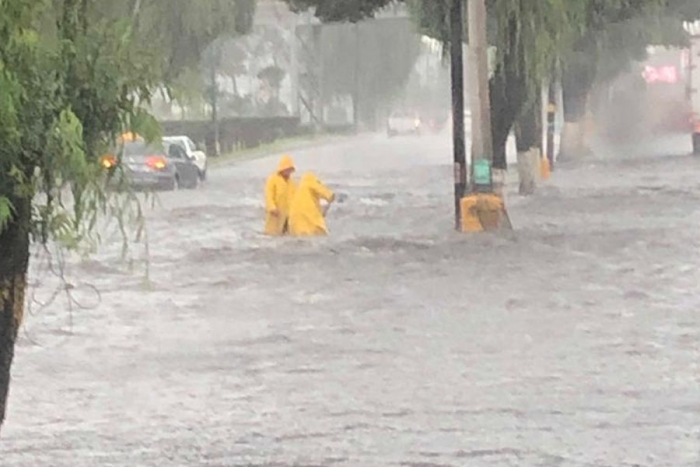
column 482, row 173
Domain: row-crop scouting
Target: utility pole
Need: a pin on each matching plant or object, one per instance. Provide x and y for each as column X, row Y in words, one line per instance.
column 483, row 207
column 482, row 145
column 457, row 71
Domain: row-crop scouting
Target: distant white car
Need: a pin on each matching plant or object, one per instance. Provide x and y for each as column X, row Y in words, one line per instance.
column 403, row 123
column 199, row 158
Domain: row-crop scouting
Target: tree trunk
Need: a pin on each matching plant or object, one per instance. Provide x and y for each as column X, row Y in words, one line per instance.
column 577, row 81
column 551, row 118
column 215, row 109
column 529, row 143
column 14, row 261
column 234, row 84
column 356, row 84
column 508, row 93
column 502, row 118
column 572, row 139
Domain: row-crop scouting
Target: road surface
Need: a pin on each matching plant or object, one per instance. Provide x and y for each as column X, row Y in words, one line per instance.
column 571, row 342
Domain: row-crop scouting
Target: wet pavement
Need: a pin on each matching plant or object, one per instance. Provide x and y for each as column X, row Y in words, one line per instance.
column 573, row 341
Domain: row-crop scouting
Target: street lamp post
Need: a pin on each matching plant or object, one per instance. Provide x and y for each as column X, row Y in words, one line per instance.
column 457, row 72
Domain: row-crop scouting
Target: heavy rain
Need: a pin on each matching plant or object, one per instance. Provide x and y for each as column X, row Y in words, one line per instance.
column 286, row 233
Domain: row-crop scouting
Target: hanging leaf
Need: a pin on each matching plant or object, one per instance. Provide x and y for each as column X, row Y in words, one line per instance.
column 6, row 212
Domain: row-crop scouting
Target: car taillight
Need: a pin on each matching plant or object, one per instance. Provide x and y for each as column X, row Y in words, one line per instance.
column 156, row 162
column 108, row 162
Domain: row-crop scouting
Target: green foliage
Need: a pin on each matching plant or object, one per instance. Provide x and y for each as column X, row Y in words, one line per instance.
column 528, row 36
column 433, row 18
column 614, row 34
column 6, row 212
column 585, row 38
column 75, row 74
column 687, row 10
column 617, row 33
column 9, row 90
column 186, row 37
column 535, row 33
column 181, row 30
column 334, row 10
column 65, row 146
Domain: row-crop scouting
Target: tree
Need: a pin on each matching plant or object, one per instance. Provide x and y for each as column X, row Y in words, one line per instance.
column 368, row 61
column 15, row 206
column 528, row 37
column 73, row 76
column 272, row 76
column 614, row 34
column 186, row 90
column 60, row 107
column 233, row 63
column 585, row 39
column 181, row 29
column 243, row 58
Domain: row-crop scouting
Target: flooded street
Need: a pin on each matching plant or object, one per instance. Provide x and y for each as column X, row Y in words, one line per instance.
column 574, row 341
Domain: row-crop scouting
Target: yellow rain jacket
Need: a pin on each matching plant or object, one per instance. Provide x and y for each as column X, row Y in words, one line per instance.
column 278, row 197
column 305, row 215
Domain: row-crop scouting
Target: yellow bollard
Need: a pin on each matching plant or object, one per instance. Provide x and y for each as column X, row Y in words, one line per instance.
column 470, row 217
column 545, row 169
column 484, row 212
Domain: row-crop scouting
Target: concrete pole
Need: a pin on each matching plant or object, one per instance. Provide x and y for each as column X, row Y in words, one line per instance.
column 480, row 103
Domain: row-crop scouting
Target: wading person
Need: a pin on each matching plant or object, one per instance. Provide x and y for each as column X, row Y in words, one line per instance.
column 306, row 217
column 279, row 191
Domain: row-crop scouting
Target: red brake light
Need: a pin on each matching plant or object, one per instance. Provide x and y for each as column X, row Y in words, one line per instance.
column 156, row 162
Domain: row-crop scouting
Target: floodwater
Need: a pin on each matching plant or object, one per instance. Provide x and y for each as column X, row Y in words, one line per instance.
column 573, row 341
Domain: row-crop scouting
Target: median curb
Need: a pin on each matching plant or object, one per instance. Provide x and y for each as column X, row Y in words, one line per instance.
column 276, row 148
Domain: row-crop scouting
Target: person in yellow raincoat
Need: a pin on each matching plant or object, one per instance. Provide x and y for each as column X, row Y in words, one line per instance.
column 279, row 191
column 305, row 215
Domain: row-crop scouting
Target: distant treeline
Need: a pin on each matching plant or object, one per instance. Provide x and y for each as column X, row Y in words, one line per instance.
column 238, row 133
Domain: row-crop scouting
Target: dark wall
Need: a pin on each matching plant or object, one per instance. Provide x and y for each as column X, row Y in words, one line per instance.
column 237, row 133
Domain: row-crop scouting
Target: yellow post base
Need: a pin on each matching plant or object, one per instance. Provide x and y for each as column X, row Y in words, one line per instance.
column 484, row 212
column 545, row 169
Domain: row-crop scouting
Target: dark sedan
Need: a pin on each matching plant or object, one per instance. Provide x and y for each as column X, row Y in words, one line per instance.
column 149, row 167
